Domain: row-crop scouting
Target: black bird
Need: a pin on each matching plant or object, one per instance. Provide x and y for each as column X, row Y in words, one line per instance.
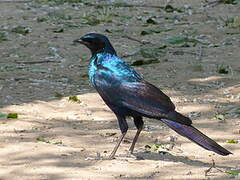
column 128, row 94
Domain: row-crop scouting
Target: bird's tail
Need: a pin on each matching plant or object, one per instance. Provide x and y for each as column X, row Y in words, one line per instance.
column 196, row 136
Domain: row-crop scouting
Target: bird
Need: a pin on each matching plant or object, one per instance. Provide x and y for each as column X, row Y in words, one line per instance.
column 127, row 94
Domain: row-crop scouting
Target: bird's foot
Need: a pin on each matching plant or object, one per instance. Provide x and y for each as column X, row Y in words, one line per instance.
column 131, row 150
column 111, row 157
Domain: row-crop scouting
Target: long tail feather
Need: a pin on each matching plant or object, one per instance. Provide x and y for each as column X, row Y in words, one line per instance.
column 196, row 136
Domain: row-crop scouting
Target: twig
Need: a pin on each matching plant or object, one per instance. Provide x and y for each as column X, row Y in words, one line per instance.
column 212, row 3
column 209, row 169
column 37, row 62
column 180, row 52
column 126, row 5
column 133, row 39
column 12, row 1
column 26, row 44
column 130, row 54
column 212, row 166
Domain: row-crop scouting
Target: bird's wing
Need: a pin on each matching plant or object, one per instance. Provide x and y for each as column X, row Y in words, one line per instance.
column 144, row 97
column 150, row 101
column 138, row 96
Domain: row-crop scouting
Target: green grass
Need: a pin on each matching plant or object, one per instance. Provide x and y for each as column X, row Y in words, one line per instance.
column 59, row 16
column 24, row 30
column 234, row 172
column 12, row 115
column 57, row 2
column 152, row 52
column 103, row 14
column 58, row 95
column 74, row 99
column 51, row 141
column 3, row 36
column 222, row 69
column 180, row 39
column 197, row 67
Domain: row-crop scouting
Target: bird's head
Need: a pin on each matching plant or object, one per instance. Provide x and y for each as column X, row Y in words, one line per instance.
column 96, row 43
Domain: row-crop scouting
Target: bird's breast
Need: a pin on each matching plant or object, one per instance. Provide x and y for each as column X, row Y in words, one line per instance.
column 92, row 70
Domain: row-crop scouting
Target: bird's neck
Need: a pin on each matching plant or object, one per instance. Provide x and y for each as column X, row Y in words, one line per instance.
column 107, row 49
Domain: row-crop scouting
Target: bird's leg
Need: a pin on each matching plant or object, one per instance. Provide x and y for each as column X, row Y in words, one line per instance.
column 139, row 124
column 117, row 145
column 135, row 140
column 123, row 127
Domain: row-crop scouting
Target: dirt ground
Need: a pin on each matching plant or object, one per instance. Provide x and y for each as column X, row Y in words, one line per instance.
column 54, row 138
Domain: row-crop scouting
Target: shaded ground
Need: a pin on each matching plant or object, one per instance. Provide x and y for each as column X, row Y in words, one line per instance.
column 197, row 53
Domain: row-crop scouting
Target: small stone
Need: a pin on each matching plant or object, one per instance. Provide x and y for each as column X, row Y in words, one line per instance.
column 237, row 131
column 89, row 158
column 172, row 138
column 89, row 113
column 226, row 92
column 194, row 114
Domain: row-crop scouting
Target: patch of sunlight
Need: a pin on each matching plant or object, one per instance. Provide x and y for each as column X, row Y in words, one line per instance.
column 210, row 78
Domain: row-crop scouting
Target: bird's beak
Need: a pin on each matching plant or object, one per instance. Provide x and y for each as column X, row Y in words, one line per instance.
column 78, row 41
column 81, row 42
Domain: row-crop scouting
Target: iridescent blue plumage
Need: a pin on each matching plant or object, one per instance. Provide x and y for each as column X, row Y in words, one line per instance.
column 111, row 65
column 127, row 94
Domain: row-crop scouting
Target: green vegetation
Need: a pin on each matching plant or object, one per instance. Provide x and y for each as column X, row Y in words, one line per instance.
column 144, row 62
column 157, row 147
column 74, row 99
column 51, row 141
column 152, row 148
column 236, row 22
column 197, row 67
column 220, row 116
column 151, row 31
column 3, row 36
column 57, row 2
column 222, row 69
column 12, row 115
column 235, row 110
column 234, row 172
column 58, row 30
column 180, row 39
column 120, row 4
column 24, row 30
column 59, row 16
column 102, row 15
column 233, row 22
column 169, row 8
column 3, row 115
column 230, row 1
column 151, row 21
column 233, row 141
column 58, row 95
column 152, row 52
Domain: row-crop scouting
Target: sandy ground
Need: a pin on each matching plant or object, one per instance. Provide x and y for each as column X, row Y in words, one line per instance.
column 79, row 136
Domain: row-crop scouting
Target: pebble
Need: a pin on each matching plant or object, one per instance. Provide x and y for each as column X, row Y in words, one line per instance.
column 194, row 114
column 225, row 92
column 89, row 113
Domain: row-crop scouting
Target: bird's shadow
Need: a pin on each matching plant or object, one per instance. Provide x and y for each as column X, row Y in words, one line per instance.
column 172, row 158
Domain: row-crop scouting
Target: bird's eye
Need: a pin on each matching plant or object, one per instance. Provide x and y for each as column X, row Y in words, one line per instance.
column 89, row 39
